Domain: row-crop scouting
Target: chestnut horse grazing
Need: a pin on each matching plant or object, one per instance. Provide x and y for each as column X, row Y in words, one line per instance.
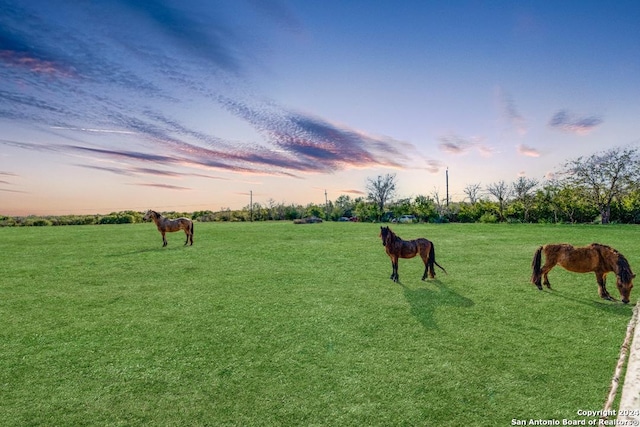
column 597, row 258
column 398, row 248
column 168, row 225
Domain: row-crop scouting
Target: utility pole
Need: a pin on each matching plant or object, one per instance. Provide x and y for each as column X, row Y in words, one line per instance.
column 447, row 185
column 251, row 205
column 326, row 206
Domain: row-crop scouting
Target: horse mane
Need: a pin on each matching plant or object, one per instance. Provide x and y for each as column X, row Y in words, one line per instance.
column 624, row 269
column 391, row 236
column 604, row 247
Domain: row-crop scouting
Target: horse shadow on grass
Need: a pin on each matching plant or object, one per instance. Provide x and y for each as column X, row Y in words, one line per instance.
column 145, row 250
column 612, row 307
column 425, row 301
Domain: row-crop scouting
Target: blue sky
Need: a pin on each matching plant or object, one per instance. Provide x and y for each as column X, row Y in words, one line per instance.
column 191, row 104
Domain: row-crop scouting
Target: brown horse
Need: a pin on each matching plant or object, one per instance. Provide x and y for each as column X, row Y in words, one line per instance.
column 398, row 248
column 169, row 225
column 597, row 258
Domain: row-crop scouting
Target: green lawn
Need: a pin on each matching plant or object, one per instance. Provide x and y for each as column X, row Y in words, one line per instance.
column 262, row 324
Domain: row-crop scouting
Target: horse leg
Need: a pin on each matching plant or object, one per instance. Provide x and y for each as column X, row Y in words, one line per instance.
column 427, row 272
column 545, row 275
column 545, row 280
column 186, row 232
column 164, row 239
column 394, row 272
column 602, row 286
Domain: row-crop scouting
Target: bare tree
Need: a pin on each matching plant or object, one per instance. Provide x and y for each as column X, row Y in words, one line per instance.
column 605, row 176
column 381, row 189
column 522, row 190
column 501, row 191
column 440, row 207
column 473, row 192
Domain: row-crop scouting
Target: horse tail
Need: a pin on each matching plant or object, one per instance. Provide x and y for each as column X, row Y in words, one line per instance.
column 191, row 231
column 432, row 260
column 535, row 267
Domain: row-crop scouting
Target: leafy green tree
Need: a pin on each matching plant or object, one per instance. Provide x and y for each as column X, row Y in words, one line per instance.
column 604, row 177
column 425, row 208
column 573, row 205
column 628, row 208
column 314, row 210
column 366, row 211
column 344, row 206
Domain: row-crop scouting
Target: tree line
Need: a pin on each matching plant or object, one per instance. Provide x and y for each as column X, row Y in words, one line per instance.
column 603, row 187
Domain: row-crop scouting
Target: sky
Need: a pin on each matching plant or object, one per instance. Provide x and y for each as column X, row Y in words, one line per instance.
column 189, row 105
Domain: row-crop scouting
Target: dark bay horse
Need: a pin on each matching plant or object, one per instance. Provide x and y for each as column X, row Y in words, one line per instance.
column 169, row 225
column 397, row 248
column 597, row 258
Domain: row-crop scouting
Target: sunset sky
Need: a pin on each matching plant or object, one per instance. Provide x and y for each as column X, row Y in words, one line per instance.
column 187, row 105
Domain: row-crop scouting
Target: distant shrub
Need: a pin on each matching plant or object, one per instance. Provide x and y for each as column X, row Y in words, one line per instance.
column 116, row 219
column 36, row 222
column 310, row 220
column 488, row 218
column 6, row 221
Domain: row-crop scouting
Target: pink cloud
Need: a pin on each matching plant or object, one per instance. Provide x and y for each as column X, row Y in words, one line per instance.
column 35, row 65
column 528, row 151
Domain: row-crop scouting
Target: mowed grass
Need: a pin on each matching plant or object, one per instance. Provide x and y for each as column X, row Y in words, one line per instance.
column 262, row 324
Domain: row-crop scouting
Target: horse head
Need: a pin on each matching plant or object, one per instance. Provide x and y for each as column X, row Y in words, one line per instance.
column 150, row 214
column 385, row 234
column 625, row 278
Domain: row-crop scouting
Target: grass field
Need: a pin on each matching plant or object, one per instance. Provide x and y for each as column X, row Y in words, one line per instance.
column 262, row 324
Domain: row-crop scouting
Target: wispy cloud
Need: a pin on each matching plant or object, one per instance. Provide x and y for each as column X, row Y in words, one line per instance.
column 119, row 132
column 511, row 113
column 458, row 145
column 135, row 171
column 186, row 55
column 567, row 121
column 7, row 185
column 434, row 166
column 163, row 186
column 35, row 65
column 525, row 150
column 357, row 192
